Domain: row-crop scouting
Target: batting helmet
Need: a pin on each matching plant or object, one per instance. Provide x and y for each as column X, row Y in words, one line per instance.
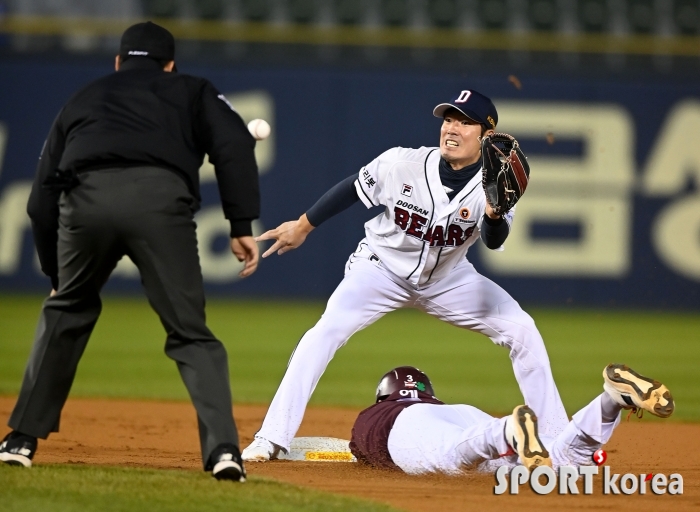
column 403, row 377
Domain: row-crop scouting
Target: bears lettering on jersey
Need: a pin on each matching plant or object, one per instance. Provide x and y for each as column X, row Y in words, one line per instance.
column 414, row 225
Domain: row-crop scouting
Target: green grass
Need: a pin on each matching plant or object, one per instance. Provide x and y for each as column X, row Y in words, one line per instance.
column 125, row 356
column 125, row 359
column 61, row 488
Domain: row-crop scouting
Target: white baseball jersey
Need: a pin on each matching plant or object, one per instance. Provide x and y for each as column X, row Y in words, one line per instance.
column 422, row 235
column 414, row 255
column 428, row 438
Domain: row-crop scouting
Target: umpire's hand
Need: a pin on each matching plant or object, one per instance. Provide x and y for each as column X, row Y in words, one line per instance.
column 288, row 236
column 245, row 249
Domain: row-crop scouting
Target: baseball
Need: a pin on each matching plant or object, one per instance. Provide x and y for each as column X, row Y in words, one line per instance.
column 259, row 129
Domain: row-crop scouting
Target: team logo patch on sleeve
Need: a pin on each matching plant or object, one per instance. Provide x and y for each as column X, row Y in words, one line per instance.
column 225, row 100
column 406, row 190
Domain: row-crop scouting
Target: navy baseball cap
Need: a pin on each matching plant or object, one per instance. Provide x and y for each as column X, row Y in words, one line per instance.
column 147, row 40
column 472, row 104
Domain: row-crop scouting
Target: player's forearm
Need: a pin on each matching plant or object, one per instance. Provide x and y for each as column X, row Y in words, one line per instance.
column 494, row 231
column 239, row 189
column 339, row 198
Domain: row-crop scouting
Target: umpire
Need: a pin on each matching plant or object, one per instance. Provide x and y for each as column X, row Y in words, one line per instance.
column 118, row 175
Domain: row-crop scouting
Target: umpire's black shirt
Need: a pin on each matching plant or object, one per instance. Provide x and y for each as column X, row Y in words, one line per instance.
column 144, row 116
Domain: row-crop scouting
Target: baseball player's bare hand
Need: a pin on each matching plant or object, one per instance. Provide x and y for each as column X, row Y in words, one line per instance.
column 287, row 236
column 490, row 213
column 245, row 249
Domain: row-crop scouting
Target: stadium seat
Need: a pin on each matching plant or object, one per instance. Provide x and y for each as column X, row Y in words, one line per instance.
column 493, row 14
column 686, row 16
column 256, row 10
column 641, row 17
column 593, row 15
column 543, row 14
column 443, row 13
column 394, row 12
column 302, row 11
column 349, row 12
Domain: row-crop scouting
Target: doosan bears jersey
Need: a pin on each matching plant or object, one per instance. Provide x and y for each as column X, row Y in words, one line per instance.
column 422, row 235
column 414, row 255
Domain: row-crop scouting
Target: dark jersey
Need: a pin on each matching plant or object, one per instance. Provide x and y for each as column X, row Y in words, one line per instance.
column 143, row 116
column 370, row 433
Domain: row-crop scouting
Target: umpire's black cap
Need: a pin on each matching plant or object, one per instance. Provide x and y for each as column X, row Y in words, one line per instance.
column 147, row 40
column 472, row 104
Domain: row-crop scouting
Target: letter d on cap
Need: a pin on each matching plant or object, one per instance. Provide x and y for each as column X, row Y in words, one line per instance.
column 463, row 97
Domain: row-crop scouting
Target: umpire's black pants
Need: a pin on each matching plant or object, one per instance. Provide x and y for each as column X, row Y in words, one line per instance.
column 147, row 214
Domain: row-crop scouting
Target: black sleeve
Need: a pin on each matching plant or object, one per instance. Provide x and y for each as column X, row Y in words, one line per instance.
column 494, row 232
column 42, row 206
column 341, row 197
column 230, row 147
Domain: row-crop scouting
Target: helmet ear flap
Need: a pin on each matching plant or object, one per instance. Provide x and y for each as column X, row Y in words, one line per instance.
column 403, row 378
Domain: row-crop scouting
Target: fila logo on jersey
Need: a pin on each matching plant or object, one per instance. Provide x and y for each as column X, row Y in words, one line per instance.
column 407, row 190
column 414, row 224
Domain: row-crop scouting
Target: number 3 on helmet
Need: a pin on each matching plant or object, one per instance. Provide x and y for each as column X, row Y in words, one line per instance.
column 403, row 378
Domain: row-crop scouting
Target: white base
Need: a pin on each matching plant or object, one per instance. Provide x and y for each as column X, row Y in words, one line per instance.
column 318, row 449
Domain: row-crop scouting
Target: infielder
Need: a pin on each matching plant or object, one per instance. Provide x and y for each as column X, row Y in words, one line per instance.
column 414, row 255
column 409, row 429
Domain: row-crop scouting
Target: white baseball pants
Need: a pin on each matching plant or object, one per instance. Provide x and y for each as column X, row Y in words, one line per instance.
column 464, row 298
column 429, row 438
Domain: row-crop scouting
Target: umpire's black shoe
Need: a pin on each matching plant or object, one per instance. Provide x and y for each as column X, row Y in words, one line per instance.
column 18, row 449
column 226, row 463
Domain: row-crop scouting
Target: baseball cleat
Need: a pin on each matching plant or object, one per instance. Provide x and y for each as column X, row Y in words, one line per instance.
column 229, row 469
column 18, row 449
column 226, row 464
column 521, row 435
column 260, row 450
column 633, row 391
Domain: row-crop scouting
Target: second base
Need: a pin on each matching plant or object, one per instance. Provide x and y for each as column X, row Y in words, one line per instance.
column 319, row 449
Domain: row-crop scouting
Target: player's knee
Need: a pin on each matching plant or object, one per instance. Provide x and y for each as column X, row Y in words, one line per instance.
column 522, row 325
column 527, row 359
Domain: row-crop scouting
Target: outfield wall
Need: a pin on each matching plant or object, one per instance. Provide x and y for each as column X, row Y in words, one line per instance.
column 612, row 216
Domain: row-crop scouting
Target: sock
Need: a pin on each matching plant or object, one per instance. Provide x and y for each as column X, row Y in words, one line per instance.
column 609, row 408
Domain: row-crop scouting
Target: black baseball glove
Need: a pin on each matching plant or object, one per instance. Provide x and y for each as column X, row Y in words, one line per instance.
column 505, row 173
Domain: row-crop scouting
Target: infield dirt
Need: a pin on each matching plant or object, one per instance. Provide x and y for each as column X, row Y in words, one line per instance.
column 164, row 435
